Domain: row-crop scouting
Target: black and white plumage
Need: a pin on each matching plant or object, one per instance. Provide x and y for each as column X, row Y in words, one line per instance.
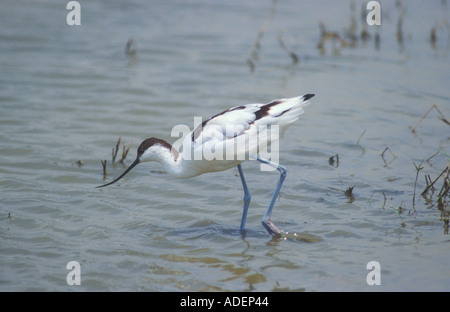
column 231, row 135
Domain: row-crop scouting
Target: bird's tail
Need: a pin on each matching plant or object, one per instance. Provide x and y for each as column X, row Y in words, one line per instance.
column 289, row 110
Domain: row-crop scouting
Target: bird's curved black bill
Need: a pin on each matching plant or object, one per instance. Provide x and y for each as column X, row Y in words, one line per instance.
column 137, row 161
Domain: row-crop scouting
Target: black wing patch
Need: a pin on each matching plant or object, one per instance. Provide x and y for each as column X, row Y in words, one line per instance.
column 198, row 130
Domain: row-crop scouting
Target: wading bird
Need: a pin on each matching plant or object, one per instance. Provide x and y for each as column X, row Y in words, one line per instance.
column 239, row 133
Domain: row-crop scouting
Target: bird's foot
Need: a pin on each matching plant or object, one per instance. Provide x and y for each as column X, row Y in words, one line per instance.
column 272, row 229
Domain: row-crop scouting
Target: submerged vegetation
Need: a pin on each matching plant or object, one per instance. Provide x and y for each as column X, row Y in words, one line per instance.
column 441, row 182
column 350, row 37
column 115, row 151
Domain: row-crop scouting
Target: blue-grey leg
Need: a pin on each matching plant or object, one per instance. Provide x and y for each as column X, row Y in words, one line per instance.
column 247, row 198
column 270, row 227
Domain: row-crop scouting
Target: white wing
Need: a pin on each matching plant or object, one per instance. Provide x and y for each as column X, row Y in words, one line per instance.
column 230, row 128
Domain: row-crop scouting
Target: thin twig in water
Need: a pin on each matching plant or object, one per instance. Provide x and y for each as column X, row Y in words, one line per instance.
column 428, row 159
column 357, row 143
column 445, row 185
column 399, row 212
column 124, row 153
column 130, row 47
column 413, row 130
column 327, row 35
column 399, row 30
column 359, row 139
column 418, row 168
column 427, row 180
column 105, row 173
column 382, row 156
column 431, row 184
column 115, row 150
column 254, row 52
column 285, row 48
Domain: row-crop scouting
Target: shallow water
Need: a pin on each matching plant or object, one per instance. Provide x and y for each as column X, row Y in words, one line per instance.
column 67, row 93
